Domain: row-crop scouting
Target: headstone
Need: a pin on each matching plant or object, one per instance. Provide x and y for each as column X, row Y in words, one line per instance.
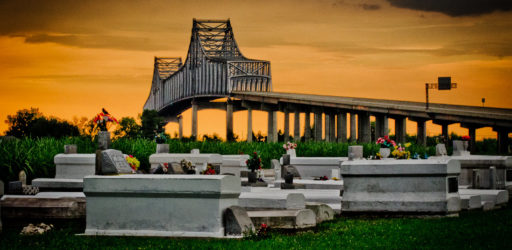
column 162, row 148
column 441, row 150
column 290, row 169
column 15, row 187
column 22, row 176
column 355, row 152
column 194, row 151
column 70, row 149
column 103, row 140
column 175, row 168
column 2, row 188
column 237, row 221
column 277, row 168
column 113, row 162
column 286, row 159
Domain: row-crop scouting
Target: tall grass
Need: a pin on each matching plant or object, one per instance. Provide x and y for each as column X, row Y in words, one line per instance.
column 35, row 156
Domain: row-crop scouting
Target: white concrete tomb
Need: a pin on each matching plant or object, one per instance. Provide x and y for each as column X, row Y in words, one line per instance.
column 159, row 205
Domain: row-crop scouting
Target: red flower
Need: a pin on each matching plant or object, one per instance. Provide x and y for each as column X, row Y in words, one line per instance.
column 263, row 225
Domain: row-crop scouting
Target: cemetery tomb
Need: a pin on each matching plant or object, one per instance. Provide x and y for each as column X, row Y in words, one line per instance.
column 159, row 205
column 400, row 186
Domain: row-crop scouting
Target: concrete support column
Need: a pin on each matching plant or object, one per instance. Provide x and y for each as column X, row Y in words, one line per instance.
column 381, row 126
column 272, row 127
column 332, row 128
column 353, row 128
column 194, row 120
column 307, row 127
column 364, row 128
column 444, row 131
column 400, row 126
column 249, row 124
column 472, row 142
column 180, row 127
column 502, row 140
column 229, row 121
column 296, row 126
column 327, row 126
column 421, row 133
column 318, row 126
column 286, row 125
column 342, row 127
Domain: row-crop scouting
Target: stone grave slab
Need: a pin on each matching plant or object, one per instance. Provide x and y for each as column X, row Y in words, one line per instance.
column 284, row 219
column 254, row 201
column 114, row 162
column 237, row 221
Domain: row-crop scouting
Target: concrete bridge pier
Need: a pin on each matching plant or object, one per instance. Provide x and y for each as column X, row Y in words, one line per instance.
column 332, row 127
column 327, row 127
column 286, row 125
column 194, row 120
column 318, row 125
column 353, row 128
column 180, row 126
column 272, row 126
column 341, row 127
column 502, row 139
column 364, row 128
column 400, row 129
column 444, row 128
column 472, row 134
column 229, row 121
column 307, row 126
column 421, row 132
column 249, row 124
column 296, row 126
column 381, row 126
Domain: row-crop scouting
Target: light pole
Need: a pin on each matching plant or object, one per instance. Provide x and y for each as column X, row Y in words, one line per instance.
column 443, row 83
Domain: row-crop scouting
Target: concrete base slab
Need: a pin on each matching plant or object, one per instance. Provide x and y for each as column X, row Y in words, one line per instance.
column 470, row 202
column 322, row 211
column 312, row 184
column 237, row 221
column 284, row 219
column 14, row 207
column 51, row 184
column 257, row 201
column 488, row 205
column 498, row 197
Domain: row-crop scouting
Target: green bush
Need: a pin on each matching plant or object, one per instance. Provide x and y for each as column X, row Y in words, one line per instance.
column 35, row 156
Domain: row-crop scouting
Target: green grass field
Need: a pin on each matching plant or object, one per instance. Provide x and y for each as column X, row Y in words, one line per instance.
column 471, row 230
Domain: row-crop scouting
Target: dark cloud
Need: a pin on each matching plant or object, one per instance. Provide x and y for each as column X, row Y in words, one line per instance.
column 101, row 41
column 367, row 6
column 455, row 8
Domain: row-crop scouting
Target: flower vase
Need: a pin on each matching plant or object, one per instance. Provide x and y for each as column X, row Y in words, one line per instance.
column 288, row 178
column 384, row 152
column 291, row 152
column 465, row 145
column 252, row 176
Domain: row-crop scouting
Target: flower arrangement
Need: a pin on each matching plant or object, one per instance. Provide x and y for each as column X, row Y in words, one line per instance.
column 160, row 138
column 466, row 138
column 287, row 146
column 254, row 162
column 187, row 166
column 210, row 170
column 103, row 119
column 401, row 152
column 385, row 142
column 260, row 234
column 133, row 162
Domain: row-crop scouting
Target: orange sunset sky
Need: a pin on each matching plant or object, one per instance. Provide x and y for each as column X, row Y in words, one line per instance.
column 71, row 58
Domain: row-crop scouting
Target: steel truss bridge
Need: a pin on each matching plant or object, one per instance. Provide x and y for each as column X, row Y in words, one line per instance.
column 216, row 68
